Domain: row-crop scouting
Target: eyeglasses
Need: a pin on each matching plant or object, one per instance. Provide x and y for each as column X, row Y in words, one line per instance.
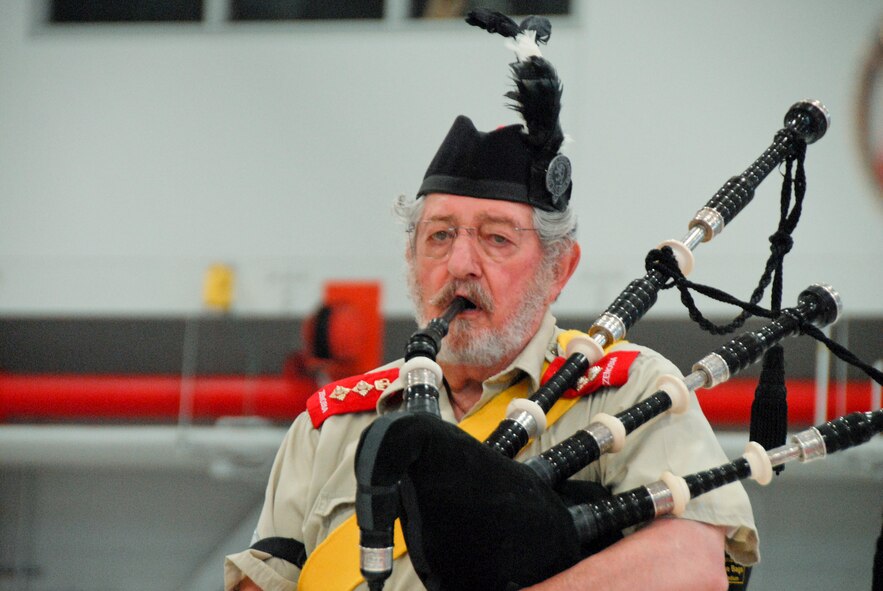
column 497, row 239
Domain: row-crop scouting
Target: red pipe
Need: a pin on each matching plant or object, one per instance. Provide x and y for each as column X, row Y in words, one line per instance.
column 729, row 404
column 149, row 397
column 158, row 398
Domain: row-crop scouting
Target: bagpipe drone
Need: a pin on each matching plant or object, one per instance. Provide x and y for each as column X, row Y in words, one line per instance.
column 475, row 519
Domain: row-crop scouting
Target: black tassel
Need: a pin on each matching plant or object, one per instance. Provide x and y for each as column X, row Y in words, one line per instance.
column 769, row 411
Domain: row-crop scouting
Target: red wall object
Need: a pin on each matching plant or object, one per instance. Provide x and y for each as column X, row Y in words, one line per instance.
column 157, row 398
column 353, row 330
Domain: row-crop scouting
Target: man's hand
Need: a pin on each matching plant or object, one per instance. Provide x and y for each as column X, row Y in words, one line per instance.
column 246, row 584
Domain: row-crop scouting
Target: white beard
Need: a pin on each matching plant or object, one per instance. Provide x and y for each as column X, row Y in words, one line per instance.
column 485, row 347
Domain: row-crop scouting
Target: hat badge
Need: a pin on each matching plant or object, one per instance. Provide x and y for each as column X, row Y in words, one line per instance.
column 558, row 176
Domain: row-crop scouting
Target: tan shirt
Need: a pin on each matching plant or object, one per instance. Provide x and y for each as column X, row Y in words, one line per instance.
column 312, row 484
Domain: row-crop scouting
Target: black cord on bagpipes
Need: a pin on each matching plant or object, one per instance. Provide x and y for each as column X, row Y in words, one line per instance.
column 780, row 245
column 664, row 262
column 769, row 411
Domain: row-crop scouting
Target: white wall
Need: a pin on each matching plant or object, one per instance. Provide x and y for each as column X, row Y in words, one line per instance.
column 133, row 157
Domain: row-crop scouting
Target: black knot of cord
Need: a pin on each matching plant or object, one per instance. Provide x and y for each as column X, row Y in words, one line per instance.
column 781, row 242
column 662, row 261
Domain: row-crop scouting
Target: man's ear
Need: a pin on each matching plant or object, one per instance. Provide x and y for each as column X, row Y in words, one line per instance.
column 564, row 270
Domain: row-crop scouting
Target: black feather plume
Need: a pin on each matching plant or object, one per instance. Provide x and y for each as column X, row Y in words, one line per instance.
column 497, row 22
column 493, row 22
column 537, row 96
column 540, row 25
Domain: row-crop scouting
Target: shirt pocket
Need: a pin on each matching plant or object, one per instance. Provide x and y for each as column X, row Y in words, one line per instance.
column 332, row 508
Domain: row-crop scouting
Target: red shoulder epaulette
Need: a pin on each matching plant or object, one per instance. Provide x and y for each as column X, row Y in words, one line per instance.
column 610, row 370
column 353, row 394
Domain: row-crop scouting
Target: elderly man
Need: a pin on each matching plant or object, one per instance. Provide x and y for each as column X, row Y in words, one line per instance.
column 492, row 223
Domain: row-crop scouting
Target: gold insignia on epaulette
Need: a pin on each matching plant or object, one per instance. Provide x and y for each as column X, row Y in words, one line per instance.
column 339, row 393
column 582, row 381
column 382, row 384
column 362, row 388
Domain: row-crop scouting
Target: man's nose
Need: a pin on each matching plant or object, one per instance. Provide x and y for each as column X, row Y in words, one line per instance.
column 464, row 259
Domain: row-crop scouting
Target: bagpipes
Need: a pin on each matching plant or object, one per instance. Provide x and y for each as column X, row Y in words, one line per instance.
column 671, row 493
column 475, row 519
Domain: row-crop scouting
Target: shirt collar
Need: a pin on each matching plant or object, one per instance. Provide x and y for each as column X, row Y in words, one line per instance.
column 528, row 363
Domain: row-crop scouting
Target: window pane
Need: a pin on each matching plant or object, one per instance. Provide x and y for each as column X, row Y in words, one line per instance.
column 270, row 10
column 114, row 11
column 459, row 8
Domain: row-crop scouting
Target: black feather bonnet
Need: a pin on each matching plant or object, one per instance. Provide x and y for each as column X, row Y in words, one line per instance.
column 519, row 162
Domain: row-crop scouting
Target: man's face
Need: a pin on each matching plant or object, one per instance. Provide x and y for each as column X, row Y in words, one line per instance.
column 508, row 285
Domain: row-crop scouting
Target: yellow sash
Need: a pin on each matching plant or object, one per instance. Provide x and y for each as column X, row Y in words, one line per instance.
column 334, row 564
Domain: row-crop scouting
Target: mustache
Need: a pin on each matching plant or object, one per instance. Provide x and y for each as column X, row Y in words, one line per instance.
column 471, row 290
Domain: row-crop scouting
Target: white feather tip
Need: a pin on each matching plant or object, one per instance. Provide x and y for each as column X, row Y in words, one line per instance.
column 525, row 45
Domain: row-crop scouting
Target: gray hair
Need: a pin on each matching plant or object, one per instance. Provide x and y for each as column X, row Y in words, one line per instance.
column 555, row 229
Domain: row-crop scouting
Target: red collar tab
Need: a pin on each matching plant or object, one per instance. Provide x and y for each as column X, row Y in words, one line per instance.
column 353, row 394
column 610, row 370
